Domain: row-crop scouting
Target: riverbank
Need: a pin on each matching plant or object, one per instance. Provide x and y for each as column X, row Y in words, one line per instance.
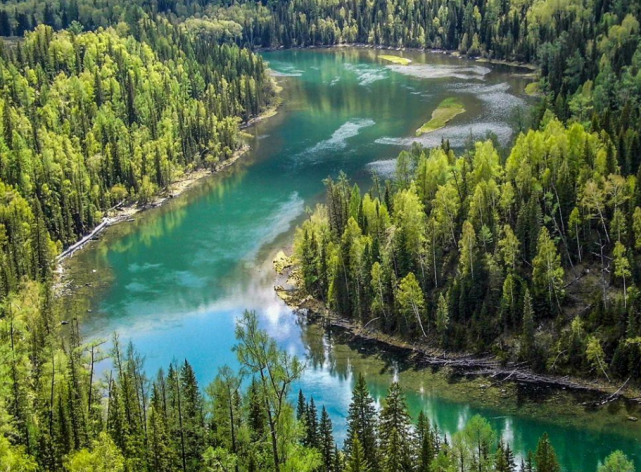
column 424, row 355
column 125, row 211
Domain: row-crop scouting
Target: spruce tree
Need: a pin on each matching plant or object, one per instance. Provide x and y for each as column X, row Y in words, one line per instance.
column 357, row 460
column 545, row 457
column 396, row 432
column 361, row 422
column 193, row 421
column 312, row 433
column 425, row 444
column 327, row 445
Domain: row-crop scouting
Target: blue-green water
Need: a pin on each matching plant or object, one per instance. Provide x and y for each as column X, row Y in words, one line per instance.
column 174, row 280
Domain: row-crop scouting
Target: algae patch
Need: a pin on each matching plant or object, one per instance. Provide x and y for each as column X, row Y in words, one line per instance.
column 396, row 59
column 446, row 110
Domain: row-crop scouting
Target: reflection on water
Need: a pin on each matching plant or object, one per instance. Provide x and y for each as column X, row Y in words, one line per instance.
column 175, row 280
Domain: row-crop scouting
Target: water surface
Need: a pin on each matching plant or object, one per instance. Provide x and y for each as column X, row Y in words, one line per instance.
column 174, row 280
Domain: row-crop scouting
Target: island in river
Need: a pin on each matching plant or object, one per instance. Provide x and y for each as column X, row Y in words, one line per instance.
column 174, row 280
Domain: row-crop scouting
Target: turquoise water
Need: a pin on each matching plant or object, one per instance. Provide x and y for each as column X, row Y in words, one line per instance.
column 174, row 280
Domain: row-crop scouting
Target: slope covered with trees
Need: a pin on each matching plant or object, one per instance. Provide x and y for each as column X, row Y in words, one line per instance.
column 587, row 50
column 92, row 119
column 534, row 258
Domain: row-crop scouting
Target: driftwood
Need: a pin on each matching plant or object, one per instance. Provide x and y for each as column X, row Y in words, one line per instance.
column 106, row 222
column 616, row 394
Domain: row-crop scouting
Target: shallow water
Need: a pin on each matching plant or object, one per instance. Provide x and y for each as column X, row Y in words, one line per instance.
column 174, row 280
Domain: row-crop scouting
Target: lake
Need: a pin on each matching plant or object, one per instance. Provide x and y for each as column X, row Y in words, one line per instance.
column 174, row 281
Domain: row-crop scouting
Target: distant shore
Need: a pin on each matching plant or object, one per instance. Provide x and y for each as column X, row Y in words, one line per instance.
column 483, row 60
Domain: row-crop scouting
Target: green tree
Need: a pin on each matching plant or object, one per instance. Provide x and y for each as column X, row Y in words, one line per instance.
column 327, row 445
column 467, row 248
column 103, row 457
column 545, row 457
column 622, row 268
column 594, row 354
column 361, row 424
column 616, row 462
column 411, row 303
column 357, row 459
column 259, row 355
column 547, row 273
column 480, row 438
column 396, row 432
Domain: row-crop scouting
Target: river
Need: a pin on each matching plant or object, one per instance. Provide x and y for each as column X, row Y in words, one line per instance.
column 174, row 280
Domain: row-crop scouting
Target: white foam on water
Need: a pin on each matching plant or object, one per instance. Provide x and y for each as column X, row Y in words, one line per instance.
column 499, row 103
column 436, row 71
column 334, row 81
column 457, row 135
column 384, row 168
column 135, row 267
column 367, row 74
column 276, row 73
column 284, row 69
column 138, row 287
column 338, row 140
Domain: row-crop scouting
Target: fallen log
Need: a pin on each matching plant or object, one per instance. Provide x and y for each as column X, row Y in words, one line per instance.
column 106, row 222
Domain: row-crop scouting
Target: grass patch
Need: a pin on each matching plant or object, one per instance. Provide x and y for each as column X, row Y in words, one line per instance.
column 447, row 109
column 396, row 59
column 532, row 89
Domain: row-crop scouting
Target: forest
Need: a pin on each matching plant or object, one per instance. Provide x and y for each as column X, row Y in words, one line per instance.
column 535, row 249
column 534, row 259
column 243, row 420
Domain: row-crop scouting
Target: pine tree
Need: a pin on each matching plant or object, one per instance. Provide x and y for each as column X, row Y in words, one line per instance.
column 425, row 443
column 500, row 462
column 257, row 417
column 193, row 421
column 312, row 439
column 529, row 325
column 361, row 423
column 301, row 407
column 327, row 445
column 357, row 460
column 545, row 457
column 158, row 443
column 396, row 432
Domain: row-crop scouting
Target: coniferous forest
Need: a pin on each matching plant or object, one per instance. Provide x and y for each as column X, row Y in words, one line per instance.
column 530, row 252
